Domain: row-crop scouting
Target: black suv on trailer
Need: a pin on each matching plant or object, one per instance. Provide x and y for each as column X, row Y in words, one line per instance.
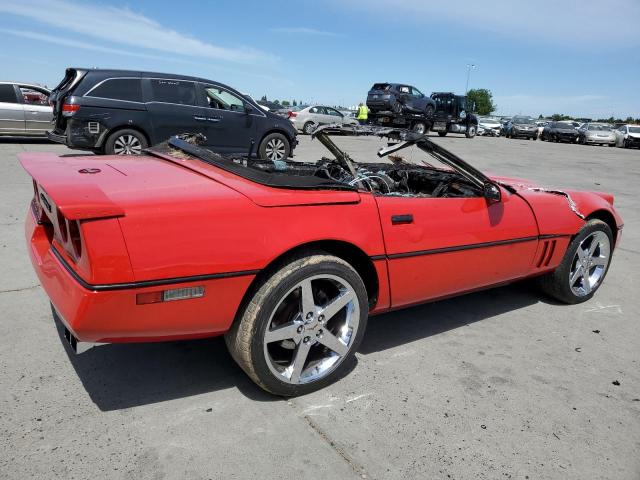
column 123, row 112
column 399, row 98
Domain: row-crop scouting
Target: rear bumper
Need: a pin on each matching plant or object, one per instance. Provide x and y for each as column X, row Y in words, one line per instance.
column 525, row 134
column 112, row 315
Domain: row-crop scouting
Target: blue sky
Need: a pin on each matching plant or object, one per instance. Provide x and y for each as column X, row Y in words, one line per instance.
column 569, row 56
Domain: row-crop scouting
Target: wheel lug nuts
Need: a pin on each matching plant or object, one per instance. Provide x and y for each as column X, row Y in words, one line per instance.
column 309, row 315
column 306, row 339
column 321, row 318
column 300, row 328
column 319, row 333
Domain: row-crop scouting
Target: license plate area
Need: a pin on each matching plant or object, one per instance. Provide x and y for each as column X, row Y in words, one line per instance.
column 439, row 127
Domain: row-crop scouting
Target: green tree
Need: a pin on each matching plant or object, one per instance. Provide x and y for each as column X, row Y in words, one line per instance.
column 264, row 98
column 480, row 101
column 277, row 102
column 295, row 104
column 285, row 103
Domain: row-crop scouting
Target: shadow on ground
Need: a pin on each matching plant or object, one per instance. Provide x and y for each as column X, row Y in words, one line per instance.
column 25, row 140
column 121, row 376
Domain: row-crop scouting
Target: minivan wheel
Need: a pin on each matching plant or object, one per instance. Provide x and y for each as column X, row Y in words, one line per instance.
column 301, row 326
column 275, row 146
column 471, row 131
column 125, row 142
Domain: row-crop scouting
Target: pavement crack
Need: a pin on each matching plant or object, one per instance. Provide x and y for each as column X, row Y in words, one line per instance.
column 20, row 289
column 358, row 469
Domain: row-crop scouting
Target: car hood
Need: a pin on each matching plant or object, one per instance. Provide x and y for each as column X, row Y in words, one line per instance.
column 566, row 130
column 634, row 135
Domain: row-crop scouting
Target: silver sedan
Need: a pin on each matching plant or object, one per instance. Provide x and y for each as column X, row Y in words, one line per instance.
column 24, row 109
column 596, row 134
column 308, row 119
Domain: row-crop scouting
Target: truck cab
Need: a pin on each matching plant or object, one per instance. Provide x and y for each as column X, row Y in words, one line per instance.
column 452, row 115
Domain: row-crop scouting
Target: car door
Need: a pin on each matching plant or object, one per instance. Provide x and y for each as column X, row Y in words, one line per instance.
column 11, row 111
column 173, row 108
column 334, row 115
column 230, row 126
column 38, row 114
column 442, row 246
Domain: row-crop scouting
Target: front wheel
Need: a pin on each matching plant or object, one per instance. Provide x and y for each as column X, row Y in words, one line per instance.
column 301, row 326
column 471, row 131
column 309, row 127
column 442, row 134
column 584, row 266
column 420, row 127
column 275, row 146
column 428, row 112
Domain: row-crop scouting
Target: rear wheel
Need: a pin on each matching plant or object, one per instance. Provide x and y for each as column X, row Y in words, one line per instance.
column 584, row 266
column 125, row 142
column 301, row 326
column 275, row 146
column 309, row 127
column 397, row 107
column 442, row 134
column 428, row 112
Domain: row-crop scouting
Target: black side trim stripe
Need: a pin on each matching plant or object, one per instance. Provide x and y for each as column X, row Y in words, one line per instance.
column 457, row 248
column 146, row 283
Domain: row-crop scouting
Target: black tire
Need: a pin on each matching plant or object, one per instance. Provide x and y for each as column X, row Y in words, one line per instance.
column 428, row 112
column 471, row 131
column 396, row 107
column 612, row 144
column 420, row 127
column 534, row 138
column 556, row 283
column 308, row 128
column 442, row 134
column 274, row 146
column 245, row 339
column 125, row 142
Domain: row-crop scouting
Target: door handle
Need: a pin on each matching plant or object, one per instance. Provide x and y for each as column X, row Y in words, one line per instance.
column 199, row 119
column 401, row 219
column 214, row 119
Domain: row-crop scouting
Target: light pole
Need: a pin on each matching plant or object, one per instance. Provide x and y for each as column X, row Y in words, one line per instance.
column 470, row 66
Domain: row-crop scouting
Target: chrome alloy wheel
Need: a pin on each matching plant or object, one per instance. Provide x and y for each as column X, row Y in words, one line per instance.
column 312, row 329
column 589, row 263
column 275, row 149
column 127, row 145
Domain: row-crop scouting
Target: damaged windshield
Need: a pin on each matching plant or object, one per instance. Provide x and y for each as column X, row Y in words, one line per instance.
column 410, row 165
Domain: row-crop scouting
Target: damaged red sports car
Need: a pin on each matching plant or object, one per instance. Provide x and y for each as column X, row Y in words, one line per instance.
column 288, row 259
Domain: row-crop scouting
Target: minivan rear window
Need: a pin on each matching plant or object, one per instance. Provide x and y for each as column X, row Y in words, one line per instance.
column 8, row 94
column 380, row 86
column 173, row 91
column 128, row 89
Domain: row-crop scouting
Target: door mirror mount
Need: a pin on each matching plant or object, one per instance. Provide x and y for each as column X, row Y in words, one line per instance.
column 492, row 193
column 248, row 108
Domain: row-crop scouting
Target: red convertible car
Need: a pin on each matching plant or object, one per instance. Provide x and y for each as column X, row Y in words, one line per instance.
column 288, row 259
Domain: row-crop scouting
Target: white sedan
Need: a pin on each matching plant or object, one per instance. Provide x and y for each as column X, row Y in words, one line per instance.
column 627, row 136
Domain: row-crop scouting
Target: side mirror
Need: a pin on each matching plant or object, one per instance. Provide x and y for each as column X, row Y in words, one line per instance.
column 492, row 193
column 248, row 108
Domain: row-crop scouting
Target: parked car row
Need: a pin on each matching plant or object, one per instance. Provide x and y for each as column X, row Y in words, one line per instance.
column 123, row 112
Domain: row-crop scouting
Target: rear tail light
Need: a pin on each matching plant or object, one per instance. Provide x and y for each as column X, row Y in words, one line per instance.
column 63, row 228
column 169, row 295
column 293, row 114
column 74, row 238
column 70, row 108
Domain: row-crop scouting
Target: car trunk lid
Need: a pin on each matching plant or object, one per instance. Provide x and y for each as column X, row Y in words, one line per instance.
column 72, row 78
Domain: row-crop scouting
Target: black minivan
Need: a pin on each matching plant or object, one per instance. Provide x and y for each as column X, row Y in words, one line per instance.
column 123, row 112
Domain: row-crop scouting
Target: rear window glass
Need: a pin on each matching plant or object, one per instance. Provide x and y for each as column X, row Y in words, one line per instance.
column 7, row 94
column 119, row 89
column 380, row 86
column 173, row 91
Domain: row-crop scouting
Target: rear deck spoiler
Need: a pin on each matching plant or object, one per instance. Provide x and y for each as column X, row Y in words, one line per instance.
column 72, row 190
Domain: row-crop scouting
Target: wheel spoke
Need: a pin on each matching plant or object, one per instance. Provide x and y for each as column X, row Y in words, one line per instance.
column 299, row 359
column 332, row 342
column 600, row 261
column 575, row 275
column 307, row 303
column 337, row 304
column 581, row 253
column 281, row 333
column 586, row 283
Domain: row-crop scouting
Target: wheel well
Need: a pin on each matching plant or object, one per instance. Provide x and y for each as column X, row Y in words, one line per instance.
column 348, row 252
column 608, row 218
column 125, row 127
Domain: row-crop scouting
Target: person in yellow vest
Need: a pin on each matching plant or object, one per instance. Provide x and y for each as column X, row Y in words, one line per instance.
column 363, row 113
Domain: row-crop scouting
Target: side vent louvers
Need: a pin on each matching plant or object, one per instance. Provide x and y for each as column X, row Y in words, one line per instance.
column 548, row 248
